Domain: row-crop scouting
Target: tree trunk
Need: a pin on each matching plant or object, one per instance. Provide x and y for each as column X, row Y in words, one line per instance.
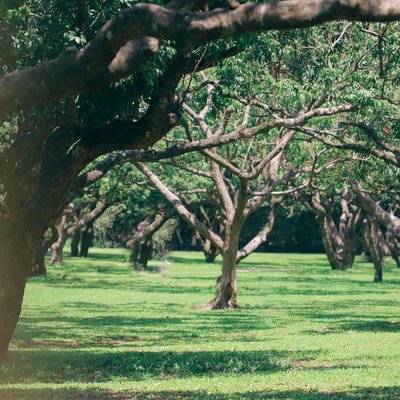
column 226, row 291
column 39, row 266
column 134, row 255
column 371, row 241
column 376, row 254
column 394, row 246
column 179, row 236
column 340, row 251
column 145, row 253
column 141, row 253
column 396, row 255
column 76, row 238
column 349, row 252
column 328, row 246
column 209, row 250
column 57, row 249
column 15, row 266
column 86, row 241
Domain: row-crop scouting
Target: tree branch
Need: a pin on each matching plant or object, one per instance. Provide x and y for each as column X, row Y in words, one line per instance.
column 179, row 206
column 79, row 70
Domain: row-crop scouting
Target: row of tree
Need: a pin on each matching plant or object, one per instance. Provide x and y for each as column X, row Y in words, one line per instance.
column 236, row 180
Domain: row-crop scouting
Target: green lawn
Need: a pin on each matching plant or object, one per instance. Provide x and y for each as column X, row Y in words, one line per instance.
column 92, row 329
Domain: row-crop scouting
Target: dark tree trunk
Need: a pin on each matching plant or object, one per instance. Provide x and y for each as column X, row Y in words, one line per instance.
column 210, row 251
column 349, row 253
column 145, row 253
column 134, row 255
column 142, row 253
column 86, row 242
column 76, row 238
column 396, row 256
column 15, row 266
column 39, row 266
column 210, row 256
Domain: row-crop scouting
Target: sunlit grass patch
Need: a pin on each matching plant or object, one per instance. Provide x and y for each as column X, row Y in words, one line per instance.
column 94, row 329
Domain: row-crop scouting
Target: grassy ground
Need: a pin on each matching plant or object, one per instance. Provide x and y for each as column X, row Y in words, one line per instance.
column 92, row 329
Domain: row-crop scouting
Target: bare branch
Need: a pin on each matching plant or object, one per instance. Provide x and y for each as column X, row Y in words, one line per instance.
column 180, row 207
column 147, row 227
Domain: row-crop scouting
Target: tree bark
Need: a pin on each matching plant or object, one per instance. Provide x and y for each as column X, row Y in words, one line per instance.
column 141, row 239
column 226, row 291
column 57, row 248
column 384, row 218
column 340, row 252
column 86, row 241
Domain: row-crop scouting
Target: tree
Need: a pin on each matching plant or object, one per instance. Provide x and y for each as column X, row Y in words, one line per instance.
column 381, row 226
column 73, row 221
column 241, row 182
column 340, row 237
column 58, row 143
column 141, row 240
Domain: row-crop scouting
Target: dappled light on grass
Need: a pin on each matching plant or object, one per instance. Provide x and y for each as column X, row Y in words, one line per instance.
column 94, row 329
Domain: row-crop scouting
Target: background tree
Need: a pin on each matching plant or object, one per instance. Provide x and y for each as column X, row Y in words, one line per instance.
column 341, row 232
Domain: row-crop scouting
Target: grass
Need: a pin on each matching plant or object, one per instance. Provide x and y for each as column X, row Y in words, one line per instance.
column 93, row 329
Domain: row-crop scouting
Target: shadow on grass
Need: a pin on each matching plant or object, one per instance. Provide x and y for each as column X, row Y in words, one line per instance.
column 106, row 256
column 383, row 393
column 95, row 331
column 190, row 261
column 371, row 326
column 83, row 366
